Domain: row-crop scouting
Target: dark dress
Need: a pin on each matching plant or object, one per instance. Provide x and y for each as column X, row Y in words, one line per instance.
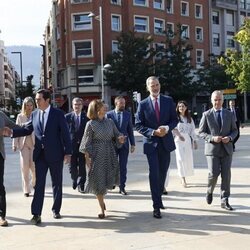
column 99, row 141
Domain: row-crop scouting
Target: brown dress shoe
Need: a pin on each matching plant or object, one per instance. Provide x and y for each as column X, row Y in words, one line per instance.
column 3, row 222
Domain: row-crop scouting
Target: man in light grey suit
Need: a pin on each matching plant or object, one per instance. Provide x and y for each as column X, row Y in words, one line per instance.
column 4, row 122
column 218, row 128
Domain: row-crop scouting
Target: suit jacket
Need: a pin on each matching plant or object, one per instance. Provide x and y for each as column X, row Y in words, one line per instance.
column 238, row 116
column 56, row 139
column 4, row 122
column 19, row 142
column 126, row 127
column 76, row 135
column 209, row 127
column 146, row 123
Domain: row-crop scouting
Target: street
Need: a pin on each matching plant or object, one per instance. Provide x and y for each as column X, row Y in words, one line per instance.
column 187, row 222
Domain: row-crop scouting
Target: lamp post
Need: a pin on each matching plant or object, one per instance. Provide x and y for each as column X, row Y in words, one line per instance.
column 45, row 85
column 21, row 71
column 76, row 70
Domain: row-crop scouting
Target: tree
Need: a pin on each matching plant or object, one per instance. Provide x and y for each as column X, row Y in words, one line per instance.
column 29, row 89
column 175, row 69
column 237, row 63
column 131, row 64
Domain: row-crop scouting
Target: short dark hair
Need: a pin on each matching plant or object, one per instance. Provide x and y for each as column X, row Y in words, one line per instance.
column 45, row 93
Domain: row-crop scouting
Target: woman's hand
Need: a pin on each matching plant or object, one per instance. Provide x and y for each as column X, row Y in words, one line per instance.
column 14, row 148
column 181, row 137
column 122, row 139
column 88, row 161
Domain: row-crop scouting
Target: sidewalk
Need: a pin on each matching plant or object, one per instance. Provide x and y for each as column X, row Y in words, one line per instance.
column 187, row 223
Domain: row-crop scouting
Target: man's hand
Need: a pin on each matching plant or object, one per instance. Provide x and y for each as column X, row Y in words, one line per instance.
column 67, row 159
column 217, row 139
column 6, row 131
column 225, row 139
column 160, row 132
column 132, row 149
column 14, row 148
column 122, row 139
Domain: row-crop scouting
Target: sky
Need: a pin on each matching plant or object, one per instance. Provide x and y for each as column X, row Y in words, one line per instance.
column 22, row 22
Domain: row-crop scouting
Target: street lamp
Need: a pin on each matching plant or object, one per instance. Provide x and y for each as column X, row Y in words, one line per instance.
column 99, row 18
column 21, row 71
column 45, row 85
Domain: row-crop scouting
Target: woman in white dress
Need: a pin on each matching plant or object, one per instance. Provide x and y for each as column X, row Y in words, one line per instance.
column 185, row 142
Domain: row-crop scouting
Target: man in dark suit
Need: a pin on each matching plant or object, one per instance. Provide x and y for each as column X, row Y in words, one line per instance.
column 155, row 119
column 123, row 121
column 218, row 129
column 76, row 121
column 238, row 119
column 52, row 146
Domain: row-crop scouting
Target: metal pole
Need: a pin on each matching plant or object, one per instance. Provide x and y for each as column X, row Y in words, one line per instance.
column 101, row 47
column 76, row 72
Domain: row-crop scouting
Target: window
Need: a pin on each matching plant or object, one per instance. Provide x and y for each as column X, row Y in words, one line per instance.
column 230, row 41
column 159, row 4
column 84, row 48
column 230, row 18
column 160, row 49
column 216, row 39
column 116, row 22
column 80, row 1
column 216, row 17
column 199, row 34
column 185, row 31
column 141, row 2
column 141, row 24
column 159, row 26
column 85, row 76
column 57, row 32
column 198, row 11
column 184, row 8
column 115, row 46
column 81, row 22
column 58, row 56
column 242, row 17
column 170, row 6
column 199, row 57
column 170, row 30
column 118, row 2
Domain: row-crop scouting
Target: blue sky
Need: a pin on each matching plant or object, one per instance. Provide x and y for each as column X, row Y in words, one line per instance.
column 22, row 22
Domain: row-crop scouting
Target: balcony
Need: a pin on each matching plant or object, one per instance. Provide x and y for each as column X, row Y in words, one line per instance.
column 225, row 4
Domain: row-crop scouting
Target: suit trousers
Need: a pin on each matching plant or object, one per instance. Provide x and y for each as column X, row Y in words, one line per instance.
column 2, row 189
column 219, row 165
column 158, row 162
column 123, row 160
column 27, row 167
column 77, row 167
column 56, row 172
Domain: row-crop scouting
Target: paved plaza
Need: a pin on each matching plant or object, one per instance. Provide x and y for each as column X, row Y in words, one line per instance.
column 187, row 222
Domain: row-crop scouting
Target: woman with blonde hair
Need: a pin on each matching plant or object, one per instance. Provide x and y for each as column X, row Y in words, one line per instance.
column 98, row 144
column 25, row 145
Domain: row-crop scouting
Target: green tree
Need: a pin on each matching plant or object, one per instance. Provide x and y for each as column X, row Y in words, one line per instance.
column 175, row 69
column 237, row 63
column 131, row 64
column 29, row 88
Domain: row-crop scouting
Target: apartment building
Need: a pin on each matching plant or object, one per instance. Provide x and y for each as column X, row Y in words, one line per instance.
column 74, row 47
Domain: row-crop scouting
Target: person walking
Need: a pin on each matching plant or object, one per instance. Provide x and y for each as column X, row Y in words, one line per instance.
column 123, row 122
column 185, row 141
column 76, row 121
column 4, row 122
column 25, row 145
column 155, row 119
column 98, row 144
column 218, row 129
column 52, row 146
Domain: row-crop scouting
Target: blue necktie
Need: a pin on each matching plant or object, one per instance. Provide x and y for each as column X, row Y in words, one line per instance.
column 219, row 118
column 77, row 123
column 42, row 121
column 119, row 118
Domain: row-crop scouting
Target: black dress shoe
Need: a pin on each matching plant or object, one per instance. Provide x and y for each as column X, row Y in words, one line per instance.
column 74, row 185
column 165, row 192
column 209, row 198
column 162, row 207
column 36, row 219
column 226, row 206
column 81, row 189
column 26, row 194
column 123, row 191
column 57, row 216
column 157, row 213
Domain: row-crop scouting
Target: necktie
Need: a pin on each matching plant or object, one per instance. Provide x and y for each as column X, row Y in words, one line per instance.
column 219, row 118
column 234, row 114
column 157, row 110
column 77, row 122
column 43, row 122
column 119, row 118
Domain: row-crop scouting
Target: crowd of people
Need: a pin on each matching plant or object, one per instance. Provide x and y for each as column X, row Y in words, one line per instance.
column 96, row 146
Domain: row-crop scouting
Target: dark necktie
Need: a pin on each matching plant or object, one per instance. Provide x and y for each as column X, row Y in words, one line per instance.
column 157, row 110
column 219, row 118
column 234, row 114
column 42, row 121
column 119, row 118
column 77, row 123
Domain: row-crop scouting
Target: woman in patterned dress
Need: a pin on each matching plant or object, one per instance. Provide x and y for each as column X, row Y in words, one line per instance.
column 98, row 144
column 185, row 142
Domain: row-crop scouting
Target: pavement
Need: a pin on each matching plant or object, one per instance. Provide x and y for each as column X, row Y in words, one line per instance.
column 187, row 222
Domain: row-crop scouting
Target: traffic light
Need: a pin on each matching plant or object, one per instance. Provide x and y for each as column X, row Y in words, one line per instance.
column 135, row 96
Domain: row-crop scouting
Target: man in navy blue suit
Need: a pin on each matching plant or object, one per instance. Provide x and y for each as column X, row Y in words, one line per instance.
column 155, row 119
column 123, row 121
column 76, row 121
column 52, row 147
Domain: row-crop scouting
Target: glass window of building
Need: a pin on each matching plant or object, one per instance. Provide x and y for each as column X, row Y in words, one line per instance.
column 83, row 48
column 160, row 51
column 141, row 2
column 118, row 2
column 115, row 46
column 85, row 76
column 82, row 22
column 141, row 24
column 230, row 41
column 216, row 39
column 199, row 34
column 80, row 1
column 216, row 17
column 159, row 4
column 170, row 6
column 116, row 22
column 159, row 26
column 230, row 18
column 199, row 57
column 184, row 8
column 185, row 31
column 170, row 29
column 198, row 11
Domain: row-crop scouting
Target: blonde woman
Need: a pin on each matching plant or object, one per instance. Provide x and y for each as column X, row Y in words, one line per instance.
column 25, row 145
column 98, row 145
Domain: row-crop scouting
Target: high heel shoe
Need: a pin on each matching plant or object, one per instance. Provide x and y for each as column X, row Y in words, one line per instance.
column 102, row 215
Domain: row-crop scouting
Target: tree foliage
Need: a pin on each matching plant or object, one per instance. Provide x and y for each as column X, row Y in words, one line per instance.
column 237, row 63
